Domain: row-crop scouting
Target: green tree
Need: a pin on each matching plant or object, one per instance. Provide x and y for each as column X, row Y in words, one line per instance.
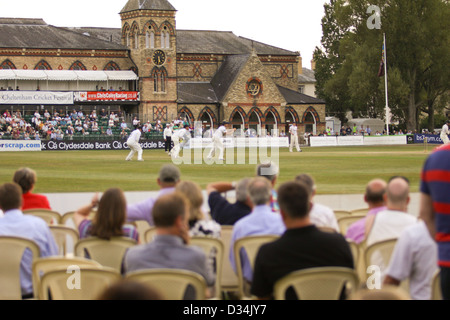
column 417, row 58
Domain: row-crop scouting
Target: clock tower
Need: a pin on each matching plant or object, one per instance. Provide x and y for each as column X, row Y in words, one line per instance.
column 148, row 30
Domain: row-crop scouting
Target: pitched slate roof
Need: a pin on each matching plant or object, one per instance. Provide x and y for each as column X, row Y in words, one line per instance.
column 227, row 73
column 307, row 76
column 222, row 42
column 295, row 97
column 35, row 33
column 196, row 93
column 133, row 5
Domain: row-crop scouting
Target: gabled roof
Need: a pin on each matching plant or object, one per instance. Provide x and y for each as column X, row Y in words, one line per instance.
column 307, row 76
column 133, row 5
column 227, row 73
column 196, row 93
column 35, row 33
column 295, row 97
column 222, row 42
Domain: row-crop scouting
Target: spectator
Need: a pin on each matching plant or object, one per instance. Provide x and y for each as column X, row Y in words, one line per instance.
column 26, row 178
column 390, row 223
column 15, row 223
column 168, row 138
column 435, row 208
column 302, row 246
column 109, row 131
column 169, row 248
column 320, row 215
column 375, row 199
column 130, row 290
column 199, row 223
column 109, row 220
column 136, row 122
column 414, row 258
column 168, row 178
column 270, row 171
column 262, row 220
column 224, row 212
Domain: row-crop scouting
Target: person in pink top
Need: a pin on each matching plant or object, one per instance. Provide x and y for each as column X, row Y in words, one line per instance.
column 26, row 178
column 373, row 196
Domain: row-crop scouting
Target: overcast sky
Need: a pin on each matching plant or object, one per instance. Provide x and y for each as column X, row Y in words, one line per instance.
column 289, row 24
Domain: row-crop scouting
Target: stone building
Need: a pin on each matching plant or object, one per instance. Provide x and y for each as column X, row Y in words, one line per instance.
column 207, row 76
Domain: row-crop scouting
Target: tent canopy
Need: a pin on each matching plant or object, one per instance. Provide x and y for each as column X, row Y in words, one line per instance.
column 66, row 75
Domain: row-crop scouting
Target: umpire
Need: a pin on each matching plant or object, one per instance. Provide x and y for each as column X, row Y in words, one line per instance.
column 168, row 137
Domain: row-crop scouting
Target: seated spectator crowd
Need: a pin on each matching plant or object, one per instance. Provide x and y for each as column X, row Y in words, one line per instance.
column 307, row 232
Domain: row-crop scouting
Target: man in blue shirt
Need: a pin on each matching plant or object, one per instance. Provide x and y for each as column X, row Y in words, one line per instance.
column 261, row 221
column 15, row 223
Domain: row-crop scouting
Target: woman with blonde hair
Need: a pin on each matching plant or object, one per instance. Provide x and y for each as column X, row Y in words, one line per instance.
column 200, row 224
column 109, row 220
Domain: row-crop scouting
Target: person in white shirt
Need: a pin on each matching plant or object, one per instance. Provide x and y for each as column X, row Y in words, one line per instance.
column 180, row 138
column 133, row 144
column 294, row 138
column 168, row 137
column 217, row 141
column 445, row 133
column 320, row 215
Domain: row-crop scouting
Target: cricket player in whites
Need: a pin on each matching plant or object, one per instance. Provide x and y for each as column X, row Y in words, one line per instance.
column 133, row 144
column 445, row 132
column 294, row 138
column 180, row 138
column 217, row 140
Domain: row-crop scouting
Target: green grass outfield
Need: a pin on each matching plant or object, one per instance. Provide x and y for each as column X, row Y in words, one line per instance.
column 337, row 170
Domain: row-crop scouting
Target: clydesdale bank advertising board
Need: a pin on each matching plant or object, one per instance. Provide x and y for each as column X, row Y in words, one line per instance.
column 97, row 145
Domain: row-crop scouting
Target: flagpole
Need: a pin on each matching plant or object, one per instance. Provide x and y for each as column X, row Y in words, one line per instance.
column 386, row 84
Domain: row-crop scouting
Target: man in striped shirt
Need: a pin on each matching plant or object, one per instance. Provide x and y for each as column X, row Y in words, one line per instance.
column 435, row 208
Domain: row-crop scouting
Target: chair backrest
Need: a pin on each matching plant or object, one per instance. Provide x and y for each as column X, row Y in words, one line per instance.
column 46, row 264
column 436, row 293
column 361, row 211
column 108, row 253
column 172, row 283
column 379, row 254
column 77, row 282
column 345, row 222
column 250, row 245
column 141, row 226
column 229, row 280
column 149, row 234
column 50, row 216
column 214, row 249
column 67, row 218
column 11, row 253
column 341, row 213
column 321, row 283
column 66, row 237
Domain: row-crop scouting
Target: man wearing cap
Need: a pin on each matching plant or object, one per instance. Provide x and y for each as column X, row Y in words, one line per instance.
column 133, row 144
column 168, row 177
column 445, row 132
column 180, row 138
column 168, row 137
column 217, row 141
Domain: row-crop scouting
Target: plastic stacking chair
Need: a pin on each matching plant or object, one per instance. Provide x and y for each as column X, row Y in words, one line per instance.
column 108, row 253
column 149, row 234
column 250, row 245
column 345, row 222
column 229, row 280
column 46, row 264
column 341, row 213
column 212, row 247
column 379, row 253
column 172, row 283
column 66, row 237
column 361, row 211
column 67, row 218
column 76, row 282
column 50, row 216
column 11, row 253
column 321, row 283
column 436, row 293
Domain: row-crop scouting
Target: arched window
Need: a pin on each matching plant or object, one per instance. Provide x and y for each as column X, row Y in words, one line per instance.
column 7, row 64
column 165, row 38
column 159, row 79
column 77, row 65
column 42, row 65
column 149, row 39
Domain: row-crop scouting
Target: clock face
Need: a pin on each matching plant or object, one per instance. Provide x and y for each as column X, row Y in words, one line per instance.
column 159, row 57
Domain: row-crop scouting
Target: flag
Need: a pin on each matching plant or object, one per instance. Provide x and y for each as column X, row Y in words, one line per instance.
column 381, row 68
